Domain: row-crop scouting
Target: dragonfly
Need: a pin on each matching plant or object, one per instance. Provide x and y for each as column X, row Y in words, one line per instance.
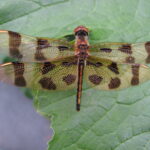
column 57, row 64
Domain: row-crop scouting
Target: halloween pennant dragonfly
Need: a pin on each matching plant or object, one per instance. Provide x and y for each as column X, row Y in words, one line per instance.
column 49, row 64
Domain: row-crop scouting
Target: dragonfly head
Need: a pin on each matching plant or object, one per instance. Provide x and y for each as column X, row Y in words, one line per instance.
column 81, row 31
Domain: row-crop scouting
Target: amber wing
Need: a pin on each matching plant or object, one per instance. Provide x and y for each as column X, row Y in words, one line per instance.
column 138, row 53
column 105, row 74
column 55, row 75
column 33, row 49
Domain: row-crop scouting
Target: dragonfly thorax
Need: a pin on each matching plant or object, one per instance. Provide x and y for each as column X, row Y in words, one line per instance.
column 81, row 42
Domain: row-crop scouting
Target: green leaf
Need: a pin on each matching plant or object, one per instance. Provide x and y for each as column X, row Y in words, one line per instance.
column 27, row 92
column 118, row 120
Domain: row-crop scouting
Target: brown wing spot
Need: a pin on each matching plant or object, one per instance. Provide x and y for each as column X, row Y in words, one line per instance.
column 113, row 67
column 48, row 66
column 68, row 64
column 147, row 47
column 130, row 59
column 126, row 49
column 95, row 79
column 114, row 83
column 69, row 79
column 97, row 64
column 63, row 48
column 20, row 81
column 134, row 81
column 135, row 72
column 19, row 71
column 14, row 43
column 107, row 50
column 41, row 44
column 47, row 83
